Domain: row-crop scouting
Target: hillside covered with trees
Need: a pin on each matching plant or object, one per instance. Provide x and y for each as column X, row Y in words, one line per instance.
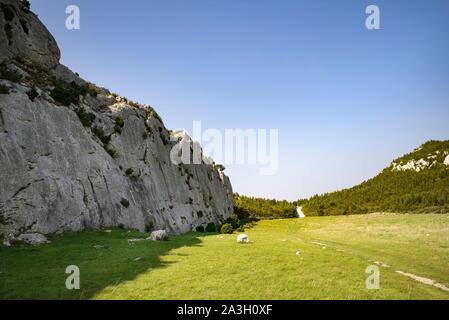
column 416, row 182
column 260, row 208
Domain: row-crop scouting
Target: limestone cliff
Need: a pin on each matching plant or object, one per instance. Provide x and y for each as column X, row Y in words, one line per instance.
column 73, row 156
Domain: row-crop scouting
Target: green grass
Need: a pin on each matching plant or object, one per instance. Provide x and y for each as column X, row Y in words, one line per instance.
column 201, row 266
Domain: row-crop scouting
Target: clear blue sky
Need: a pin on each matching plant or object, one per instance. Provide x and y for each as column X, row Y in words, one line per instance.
column 346, row 100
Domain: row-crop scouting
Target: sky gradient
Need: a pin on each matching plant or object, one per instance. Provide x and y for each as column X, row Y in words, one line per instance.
column 346, row 100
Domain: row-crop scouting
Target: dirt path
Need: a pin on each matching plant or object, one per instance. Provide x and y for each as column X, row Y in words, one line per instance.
column 412, row 276
column 301, row 214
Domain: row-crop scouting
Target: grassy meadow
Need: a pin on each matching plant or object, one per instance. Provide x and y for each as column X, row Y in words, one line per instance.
column 334, row 253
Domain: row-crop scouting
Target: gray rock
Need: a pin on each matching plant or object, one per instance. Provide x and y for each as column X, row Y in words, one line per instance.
column 7, row 242
column 158, row 235
column 33, row 238
column 59, row 176
column 27, row 38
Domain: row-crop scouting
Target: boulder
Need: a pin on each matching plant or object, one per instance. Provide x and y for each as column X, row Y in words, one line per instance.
column 242, row 238
column 158, row 235
column 33, row 238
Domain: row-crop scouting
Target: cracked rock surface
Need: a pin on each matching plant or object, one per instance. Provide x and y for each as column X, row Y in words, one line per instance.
column 73, row 156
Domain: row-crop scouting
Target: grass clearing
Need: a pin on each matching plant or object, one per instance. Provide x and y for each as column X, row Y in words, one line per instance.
column 211, row 266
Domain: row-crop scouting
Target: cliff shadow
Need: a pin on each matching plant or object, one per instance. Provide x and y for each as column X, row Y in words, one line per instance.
column 104, row 259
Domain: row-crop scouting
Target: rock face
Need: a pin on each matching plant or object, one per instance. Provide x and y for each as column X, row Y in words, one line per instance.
column 430, row 160
column 73, row 156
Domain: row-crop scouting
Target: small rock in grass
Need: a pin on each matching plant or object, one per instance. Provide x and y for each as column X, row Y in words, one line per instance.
column 98, row 247
column 108, row 231
column 138, row 259
column 33, row 238
column 133, row 241
column 242, row 238
column 158, row 235
column 298, row 253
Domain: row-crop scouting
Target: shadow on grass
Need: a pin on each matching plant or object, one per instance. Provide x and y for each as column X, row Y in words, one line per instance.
column 38, row 272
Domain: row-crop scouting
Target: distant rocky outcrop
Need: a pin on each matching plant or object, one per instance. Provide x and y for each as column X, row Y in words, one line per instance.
column 415, row 182
column 74, row 156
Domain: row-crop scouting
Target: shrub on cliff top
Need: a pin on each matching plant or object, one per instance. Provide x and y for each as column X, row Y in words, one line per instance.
column 67, row 93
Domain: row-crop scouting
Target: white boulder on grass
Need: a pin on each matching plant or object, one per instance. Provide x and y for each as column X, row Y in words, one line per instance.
column 158, row 235
column 242, row 238
column 446, row 161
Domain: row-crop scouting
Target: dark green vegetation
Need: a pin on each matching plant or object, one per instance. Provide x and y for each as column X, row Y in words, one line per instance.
column 259, row 208
column 67, row 93
column 119, row 124
column 211, row 227
column 32, row 94
column 4, row 89
column 394, row 190
column 86, row 118
column 64, row 93
column 226, row 229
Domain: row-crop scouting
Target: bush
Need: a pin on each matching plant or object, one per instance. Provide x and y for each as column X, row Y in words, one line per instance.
column 86, row 118
column 199, row 229
column 4, row 89
column 119, row 124
column 227, row 229
column 211, row 227
column 149, row 227
column 124, row 202
column 91, row 90
column 67, row 93
column 129, row 171
column 32, row 94
column 100, row 134
column 234, row 221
